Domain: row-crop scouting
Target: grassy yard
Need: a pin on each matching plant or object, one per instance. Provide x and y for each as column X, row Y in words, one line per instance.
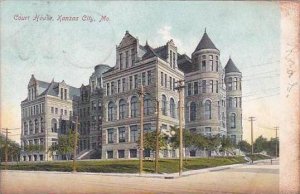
column 255, row 157
column 127, row 166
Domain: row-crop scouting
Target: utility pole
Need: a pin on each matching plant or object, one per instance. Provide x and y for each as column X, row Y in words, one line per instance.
column 141, row 93
column 6, row 150
column 180, row 113
column 157, row 137
column 75, row 145
column 251, row 119
column 276, row 128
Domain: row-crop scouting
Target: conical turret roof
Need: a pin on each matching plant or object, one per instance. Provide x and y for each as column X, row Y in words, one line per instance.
column 231, row 67
column 205, row 43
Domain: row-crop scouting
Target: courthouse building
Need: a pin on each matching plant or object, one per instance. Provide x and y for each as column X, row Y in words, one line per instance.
column 109, row 106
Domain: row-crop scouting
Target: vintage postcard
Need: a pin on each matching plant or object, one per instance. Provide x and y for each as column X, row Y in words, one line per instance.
column 150, row 97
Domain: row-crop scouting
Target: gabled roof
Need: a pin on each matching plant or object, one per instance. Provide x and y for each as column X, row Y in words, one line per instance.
column 231, row 67
column 149, row 52
column 205, row 43
column 184, row 63
column 162, row 52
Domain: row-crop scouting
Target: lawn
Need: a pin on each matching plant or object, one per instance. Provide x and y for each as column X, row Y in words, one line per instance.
column 127, row 166
column 255, row 157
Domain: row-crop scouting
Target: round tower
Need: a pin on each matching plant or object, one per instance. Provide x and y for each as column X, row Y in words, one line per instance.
column 233, row 79
column 204, row 91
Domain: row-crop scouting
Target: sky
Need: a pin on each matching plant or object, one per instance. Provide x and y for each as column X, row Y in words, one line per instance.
column 248, row 32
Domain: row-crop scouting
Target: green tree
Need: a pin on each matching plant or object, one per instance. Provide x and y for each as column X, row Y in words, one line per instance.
column 227, row 145
column 213, row 143
column 260, row 144
column 150, row 140
column 65, row 144
column 13, row 149
column 244, row 146
column 272, row 145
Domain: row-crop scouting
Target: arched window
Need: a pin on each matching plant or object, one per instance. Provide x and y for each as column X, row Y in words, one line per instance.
column 230, row 83
column 30, row 127
column 134, row 106
column 122, row 108
column 193, row 111
column 232, row 120
column 147, row 105
column 25, row 128
column 207, row 109
column 110, row 111
column 172, row 108
column 164, row 105
column 54, row 125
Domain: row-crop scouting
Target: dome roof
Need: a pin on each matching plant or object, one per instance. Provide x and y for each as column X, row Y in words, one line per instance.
column 231, row 67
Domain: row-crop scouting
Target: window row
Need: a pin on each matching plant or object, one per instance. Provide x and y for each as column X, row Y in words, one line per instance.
column 234, row 83
column 33, row 110
column 84, row 112
column 204, row 86
column 121, row 134
column 173, row 59
column 207, row 63
column 167, row 81
column 235, row 102
column 121, row 154
column 129, row 83
column 63, row 94
column 32, row 93
column 126, row 58
column 34, row 157
column 39, row 141
column 207, row 110
column 34, row 126
column 124, row 109
column 62, row 111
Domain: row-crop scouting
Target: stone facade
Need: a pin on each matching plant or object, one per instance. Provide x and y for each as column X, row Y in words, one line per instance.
column 154, row 68
column 109, row 106
column 46, row 114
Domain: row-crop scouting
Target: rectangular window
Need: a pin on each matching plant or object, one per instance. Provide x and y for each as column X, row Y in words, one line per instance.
column 211, row 85
column 136, row 84
column 107, row 89
column 217, row 63
column 65, row 94
column 203, row 86
column 121, row 60
column 166, row 81
column 133, row 133
column 217, row 86
column 208, row 131
column 123, row 85
column 240, row 102
column 121, row 134
column 121, row 154
column 112, row 88
column 110, row 154
column 236, row 101
column 110, row 133
column 211, row 65
column 127, row 59
column 119, row 86
column 133, row 153
column 230, row 102
column 189, row 89
column 195, row 88
column 130, row 83
column 147, row 127
column 170, row 79
column 171, row 58
column 203, row 66
column 173, row 84
column 161, row 78
column 56, row 110
column 61, row 111
column 144, row 78
column 149, row 77
column 61, row 93
column 174, row 59
column 66, row 112
column 132, row 57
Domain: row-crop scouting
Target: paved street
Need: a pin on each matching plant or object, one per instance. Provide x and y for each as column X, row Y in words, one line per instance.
column 256, row 178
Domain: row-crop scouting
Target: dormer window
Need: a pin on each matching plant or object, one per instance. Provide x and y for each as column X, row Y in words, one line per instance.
column 61, row 93
column 66, row 94
column 127, row 60
column 171, row 58
column 132, row 57
column 121, row 61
